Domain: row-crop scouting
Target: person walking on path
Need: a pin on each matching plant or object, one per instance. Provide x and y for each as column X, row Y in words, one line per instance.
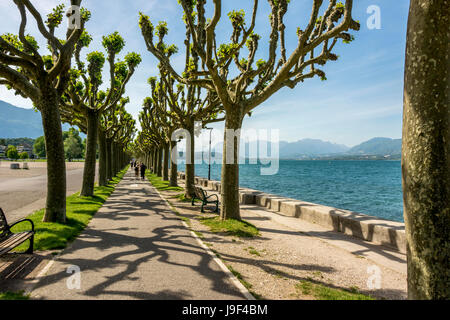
column 136, row 170
column 143, row 168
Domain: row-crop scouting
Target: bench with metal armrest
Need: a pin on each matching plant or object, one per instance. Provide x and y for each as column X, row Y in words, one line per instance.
column 202, row 195
column 9, row 240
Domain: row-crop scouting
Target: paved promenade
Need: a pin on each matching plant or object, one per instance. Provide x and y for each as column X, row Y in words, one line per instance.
column 135, row 247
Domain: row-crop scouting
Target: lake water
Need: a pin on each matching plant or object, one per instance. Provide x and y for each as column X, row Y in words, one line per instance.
column 368, row 187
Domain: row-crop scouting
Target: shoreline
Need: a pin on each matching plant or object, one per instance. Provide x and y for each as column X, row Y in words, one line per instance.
column 368, row 228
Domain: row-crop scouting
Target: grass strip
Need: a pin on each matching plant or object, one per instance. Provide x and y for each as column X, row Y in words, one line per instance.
column 232, row 227
column 79, row 211
column 159, row 183
column 321, row 292
column 13, row 295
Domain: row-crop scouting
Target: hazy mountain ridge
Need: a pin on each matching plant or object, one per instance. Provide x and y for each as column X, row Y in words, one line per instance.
column 18, row 122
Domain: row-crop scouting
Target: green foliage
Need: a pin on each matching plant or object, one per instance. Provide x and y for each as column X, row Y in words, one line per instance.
column 85, row 39
column 54, row 19
column 146, row 26
column 133, row 59
column 322, row 292
column 73, row 145
column 237, row 18
column 23, row 155
column 11, row 152
column 113, row 43
column 39, row 147
column 13, row 40
column 227, row 50
column 96, row 61
column 161, row 30
column 14, row 295
column 52, row 235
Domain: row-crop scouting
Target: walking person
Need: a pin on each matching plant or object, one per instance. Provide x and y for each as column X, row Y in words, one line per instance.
column 136, row 170
column 143, row 168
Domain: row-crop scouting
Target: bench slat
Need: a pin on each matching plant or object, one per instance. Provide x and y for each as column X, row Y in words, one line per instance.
column 13, row 241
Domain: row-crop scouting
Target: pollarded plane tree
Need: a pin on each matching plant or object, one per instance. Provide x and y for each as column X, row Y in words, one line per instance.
column 154, row 130
column 119, row 129
column 85, row 99
column 43, row 79
column 157, row 105
column 185, row 99
column 243, row 83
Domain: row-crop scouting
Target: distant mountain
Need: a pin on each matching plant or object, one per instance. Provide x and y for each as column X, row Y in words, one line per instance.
column 18, row 122
column 378, row 146
column 310, row 147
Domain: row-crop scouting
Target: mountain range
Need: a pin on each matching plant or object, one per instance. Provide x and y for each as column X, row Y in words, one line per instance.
column 18, row 123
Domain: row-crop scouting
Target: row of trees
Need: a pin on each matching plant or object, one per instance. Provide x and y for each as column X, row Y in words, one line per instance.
column 73, row 95
column 226, row 81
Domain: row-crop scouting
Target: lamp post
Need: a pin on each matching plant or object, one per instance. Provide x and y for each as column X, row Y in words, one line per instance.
column 209, row 161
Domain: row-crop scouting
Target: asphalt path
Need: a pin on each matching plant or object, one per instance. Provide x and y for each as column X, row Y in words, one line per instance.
column 135, row 247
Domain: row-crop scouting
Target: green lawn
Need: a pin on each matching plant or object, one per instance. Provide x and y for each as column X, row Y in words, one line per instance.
column 13, row 296
column 159, row 183
column 233, row 227
column 50, row 235
column 322, row 292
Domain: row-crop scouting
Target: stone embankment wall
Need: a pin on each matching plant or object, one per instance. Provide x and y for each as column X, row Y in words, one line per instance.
column 369, row 228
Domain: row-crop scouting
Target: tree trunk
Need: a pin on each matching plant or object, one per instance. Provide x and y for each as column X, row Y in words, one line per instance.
column 166, row 163
column 173, row 166
column 87, row 189
column 190, row 162
column 102, row 176
column 229, row 205
column 159, row 162
column 426, row 150
column 55, row 208
column 109, row 168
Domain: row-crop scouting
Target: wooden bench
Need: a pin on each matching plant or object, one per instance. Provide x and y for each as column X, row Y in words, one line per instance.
column 10, row 240
column 201, row 194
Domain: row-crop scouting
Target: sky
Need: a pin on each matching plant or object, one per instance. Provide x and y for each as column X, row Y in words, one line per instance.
column 362, row 98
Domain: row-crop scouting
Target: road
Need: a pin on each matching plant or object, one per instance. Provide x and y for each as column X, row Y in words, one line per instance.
column 24, row 191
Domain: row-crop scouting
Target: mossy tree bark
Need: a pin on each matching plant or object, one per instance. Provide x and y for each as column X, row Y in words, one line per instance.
column 102, row 165
column 229, row 205
column 190, row 162
column 173, row 166
column 87, row 189
column 426, row 149
column 166, row 163
column 55, row 208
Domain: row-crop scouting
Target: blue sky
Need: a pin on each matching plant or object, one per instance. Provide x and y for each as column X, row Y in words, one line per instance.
column 361, row 99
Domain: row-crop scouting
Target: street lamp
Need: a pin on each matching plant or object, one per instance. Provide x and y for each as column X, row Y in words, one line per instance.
column 209, row 161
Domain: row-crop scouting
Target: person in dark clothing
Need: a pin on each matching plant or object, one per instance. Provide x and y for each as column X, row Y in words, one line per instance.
column 136, row 170
column 143, row 168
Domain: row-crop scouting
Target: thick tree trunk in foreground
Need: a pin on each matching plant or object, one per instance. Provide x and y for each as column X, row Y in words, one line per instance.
column 102, row 179
column 173, row 166
column 166, row 163
column 55, row 208
column 190, row 163
column 426, row 150
column 87, row 189
column 229, row 205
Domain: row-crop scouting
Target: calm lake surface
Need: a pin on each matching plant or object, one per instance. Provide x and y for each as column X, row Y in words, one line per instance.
column 369, row 187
